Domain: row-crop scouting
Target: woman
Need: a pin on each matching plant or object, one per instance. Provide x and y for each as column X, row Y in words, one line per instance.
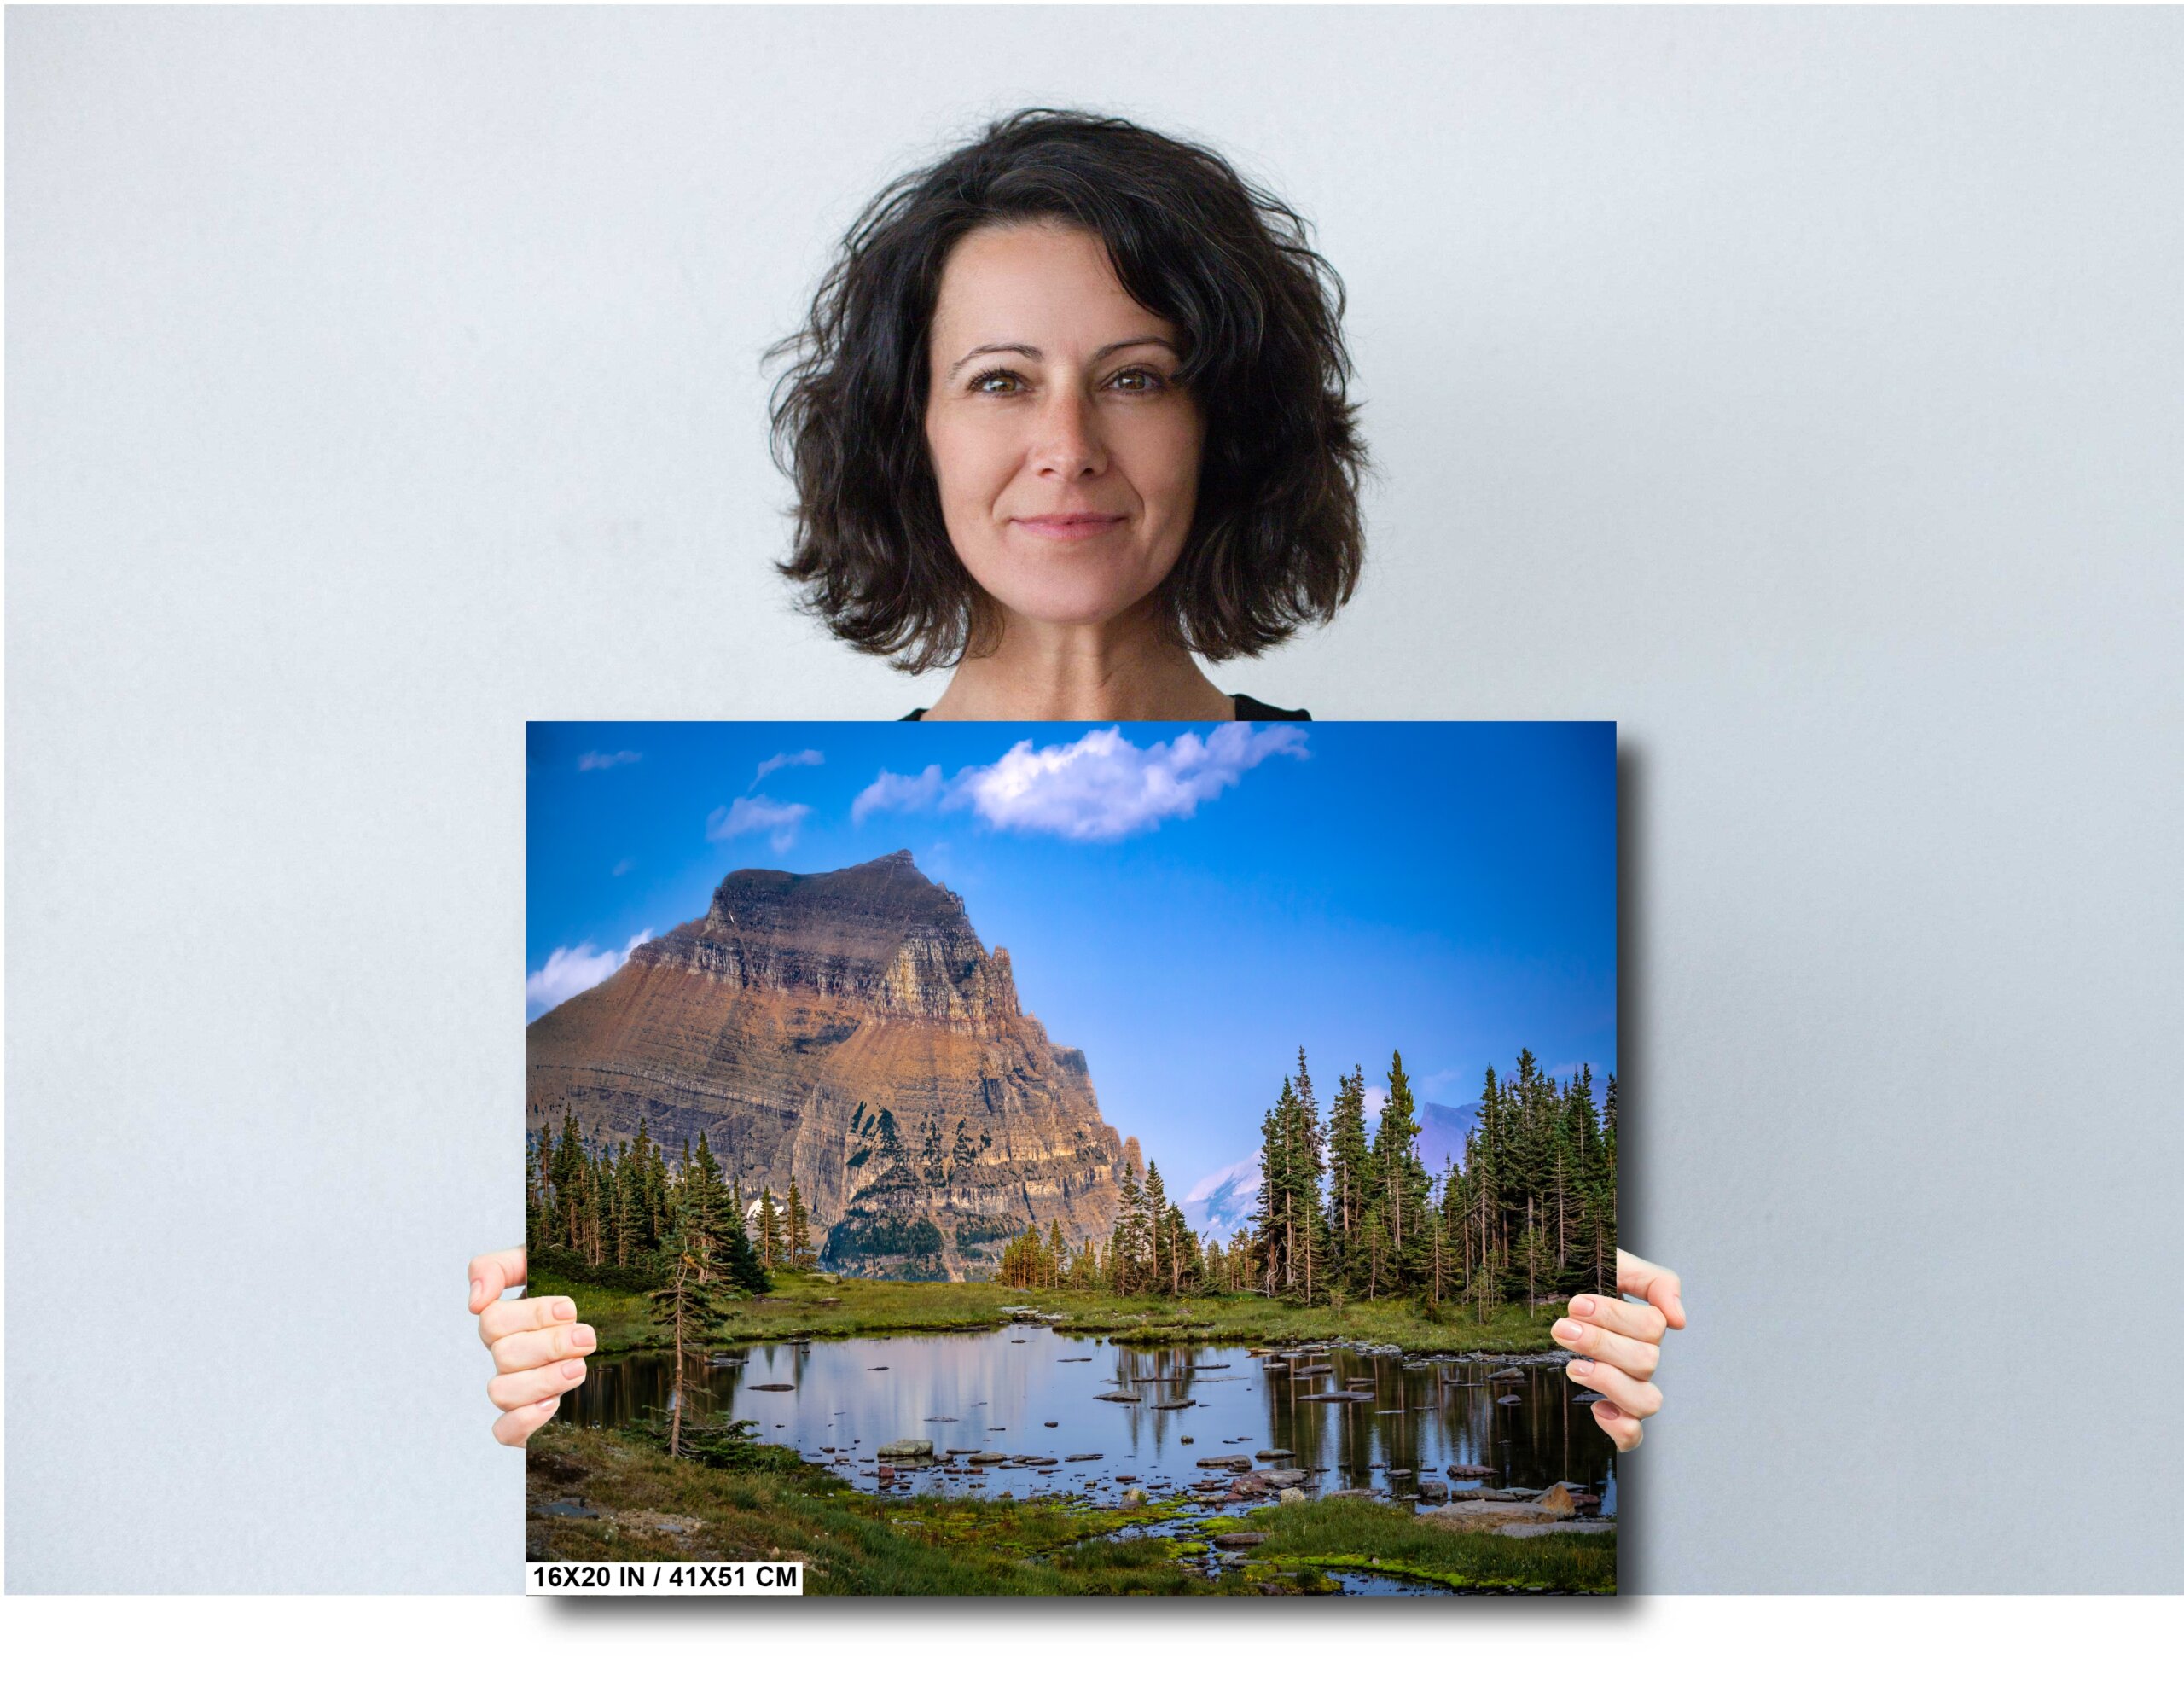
column 1068, row 415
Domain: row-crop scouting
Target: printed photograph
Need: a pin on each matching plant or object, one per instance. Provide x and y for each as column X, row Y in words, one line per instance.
column 1048, row 1158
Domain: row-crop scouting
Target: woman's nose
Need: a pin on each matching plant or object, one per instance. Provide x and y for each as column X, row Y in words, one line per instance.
column 1069, row 442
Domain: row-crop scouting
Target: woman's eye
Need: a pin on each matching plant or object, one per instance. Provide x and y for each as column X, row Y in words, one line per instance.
column 979, row 382
column 1140, row 380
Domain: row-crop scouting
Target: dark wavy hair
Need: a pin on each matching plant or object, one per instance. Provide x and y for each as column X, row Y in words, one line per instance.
column 1276, row 538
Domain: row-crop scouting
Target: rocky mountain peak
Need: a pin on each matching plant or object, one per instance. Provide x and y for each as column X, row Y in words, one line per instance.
column 846, row 1032
column 881, row 933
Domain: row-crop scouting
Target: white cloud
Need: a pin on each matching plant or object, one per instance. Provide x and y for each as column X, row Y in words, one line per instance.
column 1376, row 1101
column 569, row 970
column 756, row 814
column 1101, row 787
column 892, row 793
column 810, row 755
column 606, row 760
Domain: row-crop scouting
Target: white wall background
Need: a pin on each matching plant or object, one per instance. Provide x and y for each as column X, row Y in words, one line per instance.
column 1805, row 390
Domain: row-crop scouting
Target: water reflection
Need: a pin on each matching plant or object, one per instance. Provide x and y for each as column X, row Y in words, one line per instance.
column 1067, row 1414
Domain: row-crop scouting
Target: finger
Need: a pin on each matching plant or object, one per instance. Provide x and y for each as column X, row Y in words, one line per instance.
column 528, row 1348
column 1651, row 1283
column 1636, row 1358
column 521, row 1387
column 508, row 1316
column 1624, row 1429
column 517, row 1426
column 1625, row 1317
column 492, row 1274
column 1639, row 1399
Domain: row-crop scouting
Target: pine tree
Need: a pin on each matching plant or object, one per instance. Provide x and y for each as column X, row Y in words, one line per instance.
column 798, row 1226
column 1348, row 1179
column 687, row 1303
column 1159, row 1254
column 770, row 1241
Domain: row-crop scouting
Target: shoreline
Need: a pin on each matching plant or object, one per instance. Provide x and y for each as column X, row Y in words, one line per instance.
column 813, row 1307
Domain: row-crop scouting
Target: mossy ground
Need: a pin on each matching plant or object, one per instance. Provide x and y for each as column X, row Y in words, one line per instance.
column 652, row 1506
column 808, row 1305
column 1389, row 1540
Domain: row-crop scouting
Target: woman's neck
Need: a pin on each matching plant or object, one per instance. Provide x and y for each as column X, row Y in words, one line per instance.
column 1123, row 669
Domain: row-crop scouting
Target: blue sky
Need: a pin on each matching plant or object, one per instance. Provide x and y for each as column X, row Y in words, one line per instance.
column 1187, row 902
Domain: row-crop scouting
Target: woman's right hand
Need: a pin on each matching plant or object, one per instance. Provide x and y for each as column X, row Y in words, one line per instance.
column 539, row 1346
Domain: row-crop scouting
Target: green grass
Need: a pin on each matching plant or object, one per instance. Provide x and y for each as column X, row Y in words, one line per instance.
column 849, row 1542
column 1389, row 1541
column 809, row 1305
column 852, row 1542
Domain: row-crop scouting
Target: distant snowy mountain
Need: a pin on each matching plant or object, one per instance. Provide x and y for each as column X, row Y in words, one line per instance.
column 1440, row 1131
column 1221, row 1203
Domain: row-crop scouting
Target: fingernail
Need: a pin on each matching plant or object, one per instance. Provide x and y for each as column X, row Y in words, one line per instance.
column 573, row 1369
column 1582, row 1305
column 584, row 1336
column 476, row 1289
column 1580, row 1366
column 1606, row 1408
column 1571, row 1332
column 563, row 1310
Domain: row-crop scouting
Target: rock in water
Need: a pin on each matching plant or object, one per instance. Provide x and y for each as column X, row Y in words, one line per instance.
column 1291, row 1496
column 850, row 1031
column 907, row 1449
column 1557, row 1502
column 1431, row 1492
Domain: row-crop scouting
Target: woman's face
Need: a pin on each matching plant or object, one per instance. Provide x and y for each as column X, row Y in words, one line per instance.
column 1066, row 456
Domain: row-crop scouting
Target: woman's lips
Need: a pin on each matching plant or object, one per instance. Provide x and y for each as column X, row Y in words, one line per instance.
column 1067, row 528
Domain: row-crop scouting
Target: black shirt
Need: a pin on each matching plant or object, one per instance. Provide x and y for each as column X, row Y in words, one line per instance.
column 1248, row 710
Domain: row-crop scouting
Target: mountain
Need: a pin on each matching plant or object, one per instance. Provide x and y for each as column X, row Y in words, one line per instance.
column 847, row 1030
column 1223, row 1202
column 1440, row 1131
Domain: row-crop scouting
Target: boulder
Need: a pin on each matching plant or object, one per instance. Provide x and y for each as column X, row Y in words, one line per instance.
column 1556, row 1500
column 1433, row 1492
column 1236, row 1543
column 1471, row 1472
column 989, row 1458
column 1268, row 1454
column 907, row 1449
column 1524, row 1531
column 1290, row 1496
column 1468, row 1516
column 1279, row 1479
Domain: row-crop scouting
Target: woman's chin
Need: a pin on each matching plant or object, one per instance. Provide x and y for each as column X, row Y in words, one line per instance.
column 1070, row 607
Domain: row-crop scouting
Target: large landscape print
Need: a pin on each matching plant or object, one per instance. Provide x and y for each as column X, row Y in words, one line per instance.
column 1048, row 1158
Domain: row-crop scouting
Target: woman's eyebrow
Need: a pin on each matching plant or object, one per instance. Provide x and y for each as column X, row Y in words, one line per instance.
column 1035, row 355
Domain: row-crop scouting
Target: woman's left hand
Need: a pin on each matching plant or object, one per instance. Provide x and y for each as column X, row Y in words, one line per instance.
column 1621, row 1344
